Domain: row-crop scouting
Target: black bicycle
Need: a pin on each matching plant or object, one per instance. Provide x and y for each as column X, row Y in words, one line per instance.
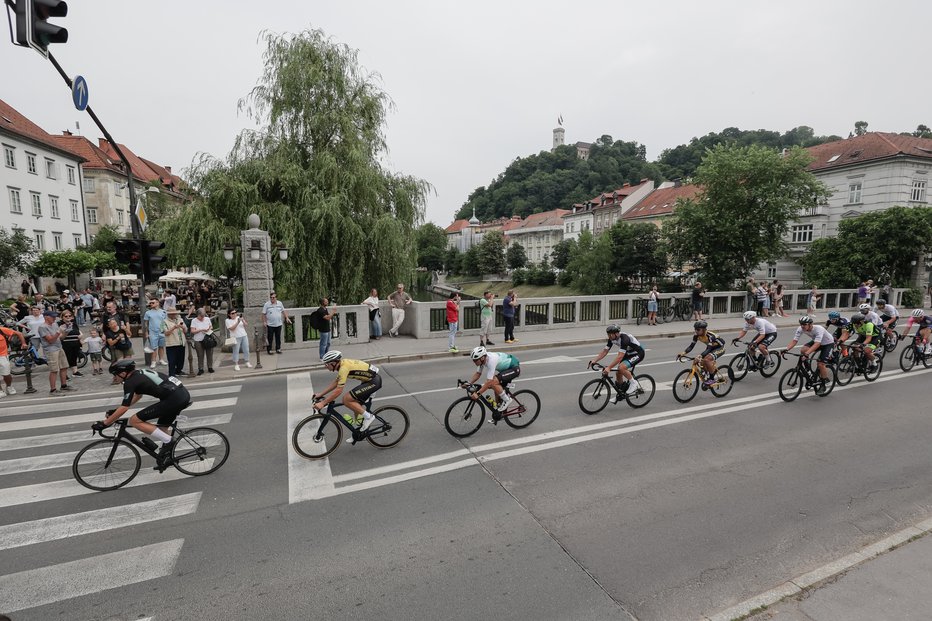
column 914, row 354
column 114, row 461
column 749, row 360
column 641, row 313
column 679, row 308
column 595, row 394
column 856, row 363
column 805, row 375
column 466, row 415
column 319, row 435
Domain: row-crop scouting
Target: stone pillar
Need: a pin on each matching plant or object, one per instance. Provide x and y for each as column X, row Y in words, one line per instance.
column 258, row 277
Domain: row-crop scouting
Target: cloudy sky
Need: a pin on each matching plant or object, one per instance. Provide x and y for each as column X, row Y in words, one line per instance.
column 477, row 84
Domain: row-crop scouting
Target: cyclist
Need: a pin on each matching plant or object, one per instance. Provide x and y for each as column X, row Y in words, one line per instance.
column 630, row 353
column 869, row 314
column 925, row 328
column 835, row 320
column 499, row 370
column 888, row 316
column 714, row 348
column 821, row 341
column 867, row 335
column 766, row 334
column 347, row 368
column 172, row 398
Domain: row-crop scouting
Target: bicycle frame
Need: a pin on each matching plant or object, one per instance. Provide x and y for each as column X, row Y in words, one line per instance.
column 123, row 433
column 358, row 436
column 515, row 408
column 697, row 371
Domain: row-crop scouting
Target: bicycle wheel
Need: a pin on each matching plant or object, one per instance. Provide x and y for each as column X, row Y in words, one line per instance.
column 314, row 438
column 771, row 364
column 891, row 342
column 81, row 361
column 389, row 428
column 926, row 360
column 17, row 365
column 908, row 359
column 685, row 386
column 642, row 314
column 523, row 409
column 594, row 395
column 791, row 384
column 869, row 375
column 464, row 417
column 829, row 385
column 200, row 451
column 739, row 367
column 644, row 394
column 107, row 354
column 103, row 465
column 669, row 314
column 845, row 371
column 723, row 383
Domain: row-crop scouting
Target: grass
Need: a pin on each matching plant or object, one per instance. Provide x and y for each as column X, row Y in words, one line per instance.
column 500, row 288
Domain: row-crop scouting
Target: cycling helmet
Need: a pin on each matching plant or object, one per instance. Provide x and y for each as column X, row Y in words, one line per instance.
column 833, row 315
column 478, row 352
column 881, row 302
column 864, row 308
column 699, row 325
column 127, row 365
column 858, row 318
column 613, row 329
column 750, row 316
column 332, row 356
column 805, row 319
column 919, row 313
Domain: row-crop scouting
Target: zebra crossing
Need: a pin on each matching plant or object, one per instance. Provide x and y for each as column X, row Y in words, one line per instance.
column 38, row 442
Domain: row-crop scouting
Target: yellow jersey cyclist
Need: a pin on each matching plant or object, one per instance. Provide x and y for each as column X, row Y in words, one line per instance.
column 630, row 353
column 867, row 334
column 924, row 322
column 497, row 371
column 888, row 316
column 766, row 334
column 714, row 348
column 820, row 340
column 346, row 369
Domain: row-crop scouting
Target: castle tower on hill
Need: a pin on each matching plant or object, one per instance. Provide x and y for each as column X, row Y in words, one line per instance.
column 559, row 134
column 559, row 139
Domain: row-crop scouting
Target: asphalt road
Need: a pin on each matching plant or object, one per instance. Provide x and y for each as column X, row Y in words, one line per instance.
column 667, row 512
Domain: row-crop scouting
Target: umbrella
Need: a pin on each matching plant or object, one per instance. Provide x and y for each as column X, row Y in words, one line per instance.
column 175, row 275
column 199, row 276
column 118, row 277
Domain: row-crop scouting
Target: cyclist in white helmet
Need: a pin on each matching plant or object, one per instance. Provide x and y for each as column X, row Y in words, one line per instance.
column 766, row 334
column 497, row 370
column 924, row 322
column 869, row 314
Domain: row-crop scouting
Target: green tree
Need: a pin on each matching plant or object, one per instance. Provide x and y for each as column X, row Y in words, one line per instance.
column 452, row 259
column 471, row 262
column 562, row 253
column 104, row 239
column 17, row 253
column 739, row 219
column 65, row 264
column 637, row 251
column 491, row 257
column 313, row 173
column 922, row 131
column 431, row 246
column 860, row 128
column 515, row 256
column 590, row 266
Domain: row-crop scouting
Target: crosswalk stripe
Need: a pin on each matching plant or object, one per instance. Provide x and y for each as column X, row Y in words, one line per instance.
column 55, row 583
column 69, row 437
column 306, row 479
column 54, row 490
column 61, row 421
column 76, row 524
column 78, row 404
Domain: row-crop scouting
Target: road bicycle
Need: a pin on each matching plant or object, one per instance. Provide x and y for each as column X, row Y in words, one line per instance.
column 114, row 461
column 595, row 394
column 915, row 354
column 805, row 375
column 680, row 308
column 18, row 360
column 749, row 360
column 466, row 415
column 856, row 363
column 890, row 339
column 688, row 381
column 320, row 434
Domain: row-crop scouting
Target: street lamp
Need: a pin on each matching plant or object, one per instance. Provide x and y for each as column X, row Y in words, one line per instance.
column 254, row 250
column 283, row 253
column 228, row 252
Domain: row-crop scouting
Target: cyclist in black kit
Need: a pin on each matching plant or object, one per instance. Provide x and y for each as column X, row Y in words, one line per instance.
column 172, row 398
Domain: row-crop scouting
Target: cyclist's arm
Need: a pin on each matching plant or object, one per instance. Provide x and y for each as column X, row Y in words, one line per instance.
column 740, row 336
column 332, row 388
column 617, row 360
column 691, row 345
column 120, row 411
column 599, row 357
column 791, row 345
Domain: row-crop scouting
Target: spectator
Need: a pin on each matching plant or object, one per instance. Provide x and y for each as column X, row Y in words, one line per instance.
column 453, row 320
column 95, row 347
column 42, row 303
column 653, row 301
column 152, row 331
column 321, row 320
column 697, row 294
column 6, row 336
column 169, row 301
column 20, row 307
column 32, row 323
column 778, row 299
column 273, row 318
column 87, row 305
column 751, row 297
column 24, row 287
column 862, row 293
column 375, row 314
column 71, row 341
column 118, row 340
column 236, row 328
column 201, row 327
column 398, row 300
column 508, row 314
column 50, row 334
column 763, row 300
column 812, row 301
column 174, row 330
column 487, row 315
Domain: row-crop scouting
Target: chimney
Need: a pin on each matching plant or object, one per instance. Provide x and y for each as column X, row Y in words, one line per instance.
column 65, row 132
column 168, row 168
column 677, row 182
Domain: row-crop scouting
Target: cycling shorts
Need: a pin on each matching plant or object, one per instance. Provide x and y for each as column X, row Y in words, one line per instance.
column 508, row 375
column 886, row 318
column 768, row 339
column 716, row 352
column 167, row 409
column 873, row 344
column 633, row 356
column 824, row 353
column 365, row 390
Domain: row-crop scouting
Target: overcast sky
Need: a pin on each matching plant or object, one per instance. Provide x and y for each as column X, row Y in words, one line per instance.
column 477, row 84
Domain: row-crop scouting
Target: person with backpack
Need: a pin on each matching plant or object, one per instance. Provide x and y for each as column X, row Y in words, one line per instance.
column 320, row 321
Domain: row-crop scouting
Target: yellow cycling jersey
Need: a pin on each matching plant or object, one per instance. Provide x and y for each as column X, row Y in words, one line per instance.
column 355, row 369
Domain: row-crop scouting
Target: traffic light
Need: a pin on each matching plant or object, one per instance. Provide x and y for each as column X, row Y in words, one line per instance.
column 32, row 24
column 150, row 261
column 129, row 251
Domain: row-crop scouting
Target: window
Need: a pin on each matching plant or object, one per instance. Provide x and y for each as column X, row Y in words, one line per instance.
column 88, row 185
column 51, row 169
column 802, row 233
column 36, row 204
column 71, row 175
column 39, row 238
column 53, row 207
column 120, row 217
column 918, row 193
column 75, row 213
column 77, row 240
column 9, row 156
column 854, row 192
column 117, row 189
column 15, row 205
column 31, row 162
column 56, row 241
column 91, row 215
column 772, row 271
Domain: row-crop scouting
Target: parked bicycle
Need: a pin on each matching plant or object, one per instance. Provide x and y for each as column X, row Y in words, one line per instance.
column 805, row 375
column 680, row 308
column 19, row 360
column 320, row 434
column 641, row 313
column 748, row 361
column 915, row 354
column 856, row 363
column 595, row 393
column 466, row 415
column 688, row 381
column 114, row 461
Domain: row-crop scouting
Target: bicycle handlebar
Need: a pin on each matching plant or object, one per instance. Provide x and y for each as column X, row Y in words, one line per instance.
column 596, row 366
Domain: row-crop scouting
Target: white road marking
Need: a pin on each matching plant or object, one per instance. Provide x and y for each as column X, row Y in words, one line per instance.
column 55, row 583
column 307, row 479
column 76, row 524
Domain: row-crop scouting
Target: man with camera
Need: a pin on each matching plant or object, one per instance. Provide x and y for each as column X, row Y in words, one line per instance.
column 487, row 316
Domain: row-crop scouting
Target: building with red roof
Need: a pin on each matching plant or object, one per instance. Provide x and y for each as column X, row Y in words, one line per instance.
column 538, row 233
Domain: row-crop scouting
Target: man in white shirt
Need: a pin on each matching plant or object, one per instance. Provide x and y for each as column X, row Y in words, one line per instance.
column 273, row 318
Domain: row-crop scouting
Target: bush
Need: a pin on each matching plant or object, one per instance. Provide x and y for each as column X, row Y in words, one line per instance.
column 912, row 298
column 519, row 277
column 541, row 276
column 565, row 279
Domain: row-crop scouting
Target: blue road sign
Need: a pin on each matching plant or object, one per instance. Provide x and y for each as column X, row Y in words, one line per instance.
column 79, row 92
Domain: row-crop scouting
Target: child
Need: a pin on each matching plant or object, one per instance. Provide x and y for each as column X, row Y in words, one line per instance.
column 94, row 345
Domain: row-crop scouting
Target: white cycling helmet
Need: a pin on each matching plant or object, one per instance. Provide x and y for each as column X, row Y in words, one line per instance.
column 750, row 316
column 919, row 313
column 479, row 352
column 332, row 356
column 864, row 308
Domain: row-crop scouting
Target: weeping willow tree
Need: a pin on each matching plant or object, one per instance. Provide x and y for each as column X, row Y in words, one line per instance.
column 312, row 172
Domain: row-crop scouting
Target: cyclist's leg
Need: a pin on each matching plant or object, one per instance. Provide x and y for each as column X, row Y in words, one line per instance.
column 503, row 379
column 163, row 413
column 357, row 397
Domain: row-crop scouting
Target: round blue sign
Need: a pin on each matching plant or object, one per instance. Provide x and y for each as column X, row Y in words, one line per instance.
column 79, row 93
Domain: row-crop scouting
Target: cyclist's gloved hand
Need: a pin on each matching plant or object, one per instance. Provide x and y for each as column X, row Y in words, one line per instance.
column 99, row 426
column 734, row 342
